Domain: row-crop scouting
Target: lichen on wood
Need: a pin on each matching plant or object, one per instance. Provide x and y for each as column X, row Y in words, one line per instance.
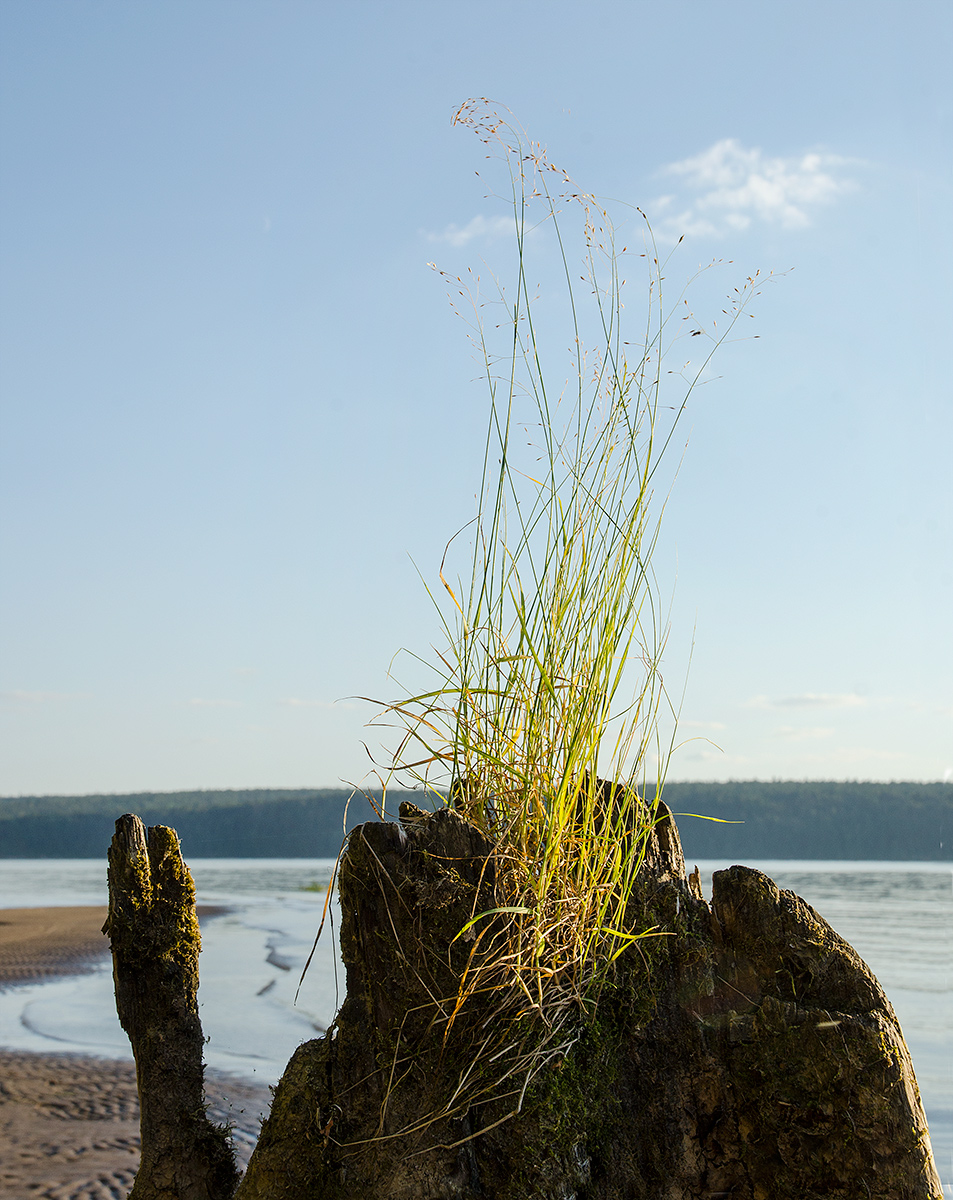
column 154, row 936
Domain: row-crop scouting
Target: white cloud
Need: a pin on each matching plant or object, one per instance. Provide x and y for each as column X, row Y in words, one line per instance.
column 23, row 697
column 795, row 733
column 701, row 725
column 488, row 228
column 198, row 702
column 734, row 187
column 295, row 702
column 809, row 700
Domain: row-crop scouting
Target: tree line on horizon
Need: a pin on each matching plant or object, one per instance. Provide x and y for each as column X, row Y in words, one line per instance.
column 753, row 820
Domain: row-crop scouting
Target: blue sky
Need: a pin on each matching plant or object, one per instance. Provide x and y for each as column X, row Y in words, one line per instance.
column 237, row 407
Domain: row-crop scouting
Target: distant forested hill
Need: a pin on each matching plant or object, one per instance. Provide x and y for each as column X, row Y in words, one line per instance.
column 901, row 821
column 877, row 821
column 280, row 823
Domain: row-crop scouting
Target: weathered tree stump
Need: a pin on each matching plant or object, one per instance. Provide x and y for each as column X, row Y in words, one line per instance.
column 749, row 1054
column 154, row 935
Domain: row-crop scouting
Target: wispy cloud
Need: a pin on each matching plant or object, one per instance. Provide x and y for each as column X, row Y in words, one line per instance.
column 199, row 702
column 809, row 700
column 295, row 702
column 487, row 228
column 24, row 697
column 731, row 187
column 716, row 725
column 796, row 733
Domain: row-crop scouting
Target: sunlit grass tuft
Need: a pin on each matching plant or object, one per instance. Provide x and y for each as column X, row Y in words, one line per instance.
column 543, row 726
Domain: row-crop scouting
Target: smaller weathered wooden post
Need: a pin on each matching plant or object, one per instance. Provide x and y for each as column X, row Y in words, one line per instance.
column 154, row 936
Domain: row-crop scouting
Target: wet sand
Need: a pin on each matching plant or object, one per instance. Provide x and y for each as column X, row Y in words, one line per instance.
column 39, row 943
column 42, row 943
column 69, row 1123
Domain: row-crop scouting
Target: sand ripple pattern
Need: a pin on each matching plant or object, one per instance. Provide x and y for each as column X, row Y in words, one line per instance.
column 69, row 1125
column 40, row 943
column 114, row 1185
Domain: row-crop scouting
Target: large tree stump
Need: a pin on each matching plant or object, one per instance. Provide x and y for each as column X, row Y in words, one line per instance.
column 154, row 935
column 749, row 1054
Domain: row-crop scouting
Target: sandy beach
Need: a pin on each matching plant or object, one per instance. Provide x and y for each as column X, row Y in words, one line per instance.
column 37, row 943
column 69, row 1124
column 41, row 943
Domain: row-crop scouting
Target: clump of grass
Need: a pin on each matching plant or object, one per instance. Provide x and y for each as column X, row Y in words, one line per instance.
column 543, row 727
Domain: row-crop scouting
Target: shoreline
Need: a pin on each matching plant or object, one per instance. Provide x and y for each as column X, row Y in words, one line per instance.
column 50, row 943
column 69, row 1121
column 71, row 1117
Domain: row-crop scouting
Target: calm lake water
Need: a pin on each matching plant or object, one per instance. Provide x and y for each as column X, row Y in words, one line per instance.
column 899, row 917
